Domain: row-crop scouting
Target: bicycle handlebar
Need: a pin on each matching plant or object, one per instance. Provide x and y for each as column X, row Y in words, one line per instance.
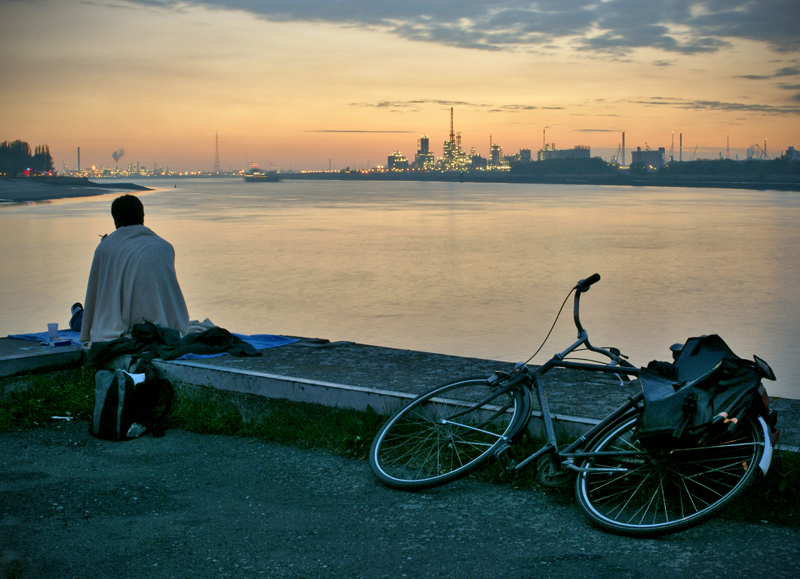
column 584, row 284
column 583, row 337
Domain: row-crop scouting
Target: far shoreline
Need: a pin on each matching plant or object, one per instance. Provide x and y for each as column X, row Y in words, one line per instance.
column 696, row 182
column 34, row 190
column 42, row 189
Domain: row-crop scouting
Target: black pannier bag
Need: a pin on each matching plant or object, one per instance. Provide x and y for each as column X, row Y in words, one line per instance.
column 700, row 398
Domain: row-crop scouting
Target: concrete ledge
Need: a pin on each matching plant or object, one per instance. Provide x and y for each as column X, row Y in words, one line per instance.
column 282, row 387
column 383, row 402
column 36, row 358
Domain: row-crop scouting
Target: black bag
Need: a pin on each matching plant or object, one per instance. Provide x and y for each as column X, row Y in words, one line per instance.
column 124, row 410
column 700, row 398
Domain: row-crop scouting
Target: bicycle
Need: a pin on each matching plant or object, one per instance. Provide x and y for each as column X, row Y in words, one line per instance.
column 622, row 485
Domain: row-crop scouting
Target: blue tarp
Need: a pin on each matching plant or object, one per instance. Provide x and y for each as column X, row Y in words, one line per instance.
column 258, row 341
column 43, row 337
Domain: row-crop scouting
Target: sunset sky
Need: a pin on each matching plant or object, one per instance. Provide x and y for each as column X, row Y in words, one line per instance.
column 319, row 83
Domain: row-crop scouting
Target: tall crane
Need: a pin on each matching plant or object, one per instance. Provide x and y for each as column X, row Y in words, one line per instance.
column 615, row 158
column 754, row 151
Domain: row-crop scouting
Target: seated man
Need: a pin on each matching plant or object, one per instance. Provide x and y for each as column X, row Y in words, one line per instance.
column 132, row 280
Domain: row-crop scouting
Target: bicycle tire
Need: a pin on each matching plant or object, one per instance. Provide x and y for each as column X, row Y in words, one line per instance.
column 669, row 492
column 442, row 436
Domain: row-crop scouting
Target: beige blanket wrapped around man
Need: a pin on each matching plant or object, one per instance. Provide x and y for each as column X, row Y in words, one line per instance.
column 132, row 280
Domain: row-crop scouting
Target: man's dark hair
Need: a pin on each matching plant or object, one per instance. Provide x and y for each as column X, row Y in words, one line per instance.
column 127, row 210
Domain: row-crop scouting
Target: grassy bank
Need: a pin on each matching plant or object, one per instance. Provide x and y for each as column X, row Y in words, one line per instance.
column 33, row 401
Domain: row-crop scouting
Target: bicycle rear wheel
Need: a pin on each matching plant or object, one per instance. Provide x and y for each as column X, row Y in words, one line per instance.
column 445, row 434
column 650, row 495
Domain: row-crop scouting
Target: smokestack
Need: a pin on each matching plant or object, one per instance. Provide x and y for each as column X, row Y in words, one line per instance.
column 452, row 135
column 623, row 148
column 680, row 148
column 79, row 159
column 117, row 154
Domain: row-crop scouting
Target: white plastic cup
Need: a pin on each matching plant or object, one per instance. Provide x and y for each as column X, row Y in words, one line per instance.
column 52, row 331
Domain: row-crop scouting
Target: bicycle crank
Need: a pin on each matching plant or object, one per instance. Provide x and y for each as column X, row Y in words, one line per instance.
column 551, row 475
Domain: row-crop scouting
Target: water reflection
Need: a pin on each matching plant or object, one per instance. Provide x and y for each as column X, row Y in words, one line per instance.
column 468, row 269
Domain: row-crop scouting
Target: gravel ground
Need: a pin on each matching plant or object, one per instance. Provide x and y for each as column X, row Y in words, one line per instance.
column 190, row 505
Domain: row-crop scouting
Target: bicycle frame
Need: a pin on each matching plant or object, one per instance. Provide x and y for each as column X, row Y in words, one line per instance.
column 533, row 381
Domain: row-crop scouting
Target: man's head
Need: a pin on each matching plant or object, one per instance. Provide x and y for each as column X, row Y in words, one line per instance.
column 127, row 210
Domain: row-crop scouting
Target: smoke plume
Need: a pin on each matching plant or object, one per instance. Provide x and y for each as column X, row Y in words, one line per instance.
column 117, row 154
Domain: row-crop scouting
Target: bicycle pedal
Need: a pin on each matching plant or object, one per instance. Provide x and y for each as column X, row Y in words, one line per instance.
column 506, row 455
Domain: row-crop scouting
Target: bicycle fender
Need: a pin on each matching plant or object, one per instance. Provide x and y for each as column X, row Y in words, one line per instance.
column 766, row 459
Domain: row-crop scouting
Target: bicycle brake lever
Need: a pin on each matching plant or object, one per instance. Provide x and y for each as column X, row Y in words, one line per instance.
column 497, row 377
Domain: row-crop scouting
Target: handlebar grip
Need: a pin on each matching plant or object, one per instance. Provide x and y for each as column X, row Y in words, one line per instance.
column 584, row 284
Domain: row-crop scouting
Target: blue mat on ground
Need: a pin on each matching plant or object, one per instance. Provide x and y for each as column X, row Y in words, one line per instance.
column 258, row 341
column 43, row 337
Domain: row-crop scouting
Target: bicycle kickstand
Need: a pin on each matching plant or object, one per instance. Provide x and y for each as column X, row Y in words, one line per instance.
column 506, row 455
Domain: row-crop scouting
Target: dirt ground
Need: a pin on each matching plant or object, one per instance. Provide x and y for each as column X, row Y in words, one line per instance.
column 190, row 505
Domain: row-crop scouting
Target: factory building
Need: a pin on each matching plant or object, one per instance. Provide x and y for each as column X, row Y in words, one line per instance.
column 397, row 162
column 424, row 159
column 550, row 152
column 648, row 158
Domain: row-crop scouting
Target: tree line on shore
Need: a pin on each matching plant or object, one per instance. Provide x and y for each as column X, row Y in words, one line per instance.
column 597, row 167
column 751, row 168
column 16, row 158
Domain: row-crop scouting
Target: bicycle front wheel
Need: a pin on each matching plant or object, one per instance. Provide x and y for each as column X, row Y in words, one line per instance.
column 445, row 434
column 647, row 495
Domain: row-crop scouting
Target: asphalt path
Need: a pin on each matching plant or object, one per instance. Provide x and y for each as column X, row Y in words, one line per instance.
column 196, row 506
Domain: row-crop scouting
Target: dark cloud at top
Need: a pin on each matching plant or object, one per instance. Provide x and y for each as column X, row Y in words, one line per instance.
column 782, row 73
column 722, row 106
column 419, row 103
column 614, row 27
column 787, row 71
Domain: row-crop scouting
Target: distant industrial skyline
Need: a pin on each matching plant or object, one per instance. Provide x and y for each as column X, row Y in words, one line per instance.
column 196, row 84
column 454, row 156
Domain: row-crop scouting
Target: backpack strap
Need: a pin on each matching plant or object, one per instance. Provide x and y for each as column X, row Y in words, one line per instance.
column 168, row 392
column 689, row 408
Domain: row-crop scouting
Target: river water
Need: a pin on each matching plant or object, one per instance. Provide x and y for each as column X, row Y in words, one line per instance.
column 467, row 269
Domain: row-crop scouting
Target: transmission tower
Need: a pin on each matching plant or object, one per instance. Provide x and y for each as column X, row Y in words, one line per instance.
column 216, row 153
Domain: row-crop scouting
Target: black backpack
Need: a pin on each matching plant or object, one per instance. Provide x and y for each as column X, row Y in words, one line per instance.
column 700, row 398
column 124, row 410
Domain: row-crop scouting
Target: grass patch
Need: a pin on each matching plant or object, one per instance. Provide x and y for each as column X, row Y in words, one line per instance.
column 335, row 430
column 774, row 498
column 32, row 400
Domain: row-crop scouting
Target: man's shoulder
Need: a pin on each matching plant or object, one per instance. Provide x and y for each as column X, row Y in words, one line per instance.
column 131, row 237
